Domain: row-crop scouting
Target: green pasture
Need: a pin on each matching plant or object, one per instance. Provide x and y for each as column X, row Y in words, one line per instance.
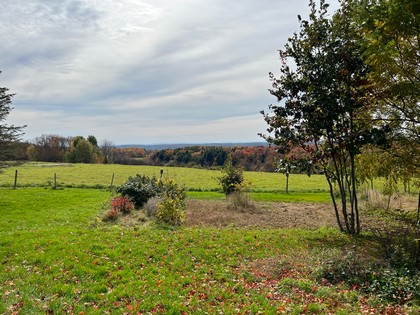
column 100, row 175
column 58, row 258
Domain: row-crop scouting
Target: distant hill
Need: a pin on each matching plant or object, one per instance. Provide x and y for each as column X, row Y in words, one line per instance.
column 183, row 145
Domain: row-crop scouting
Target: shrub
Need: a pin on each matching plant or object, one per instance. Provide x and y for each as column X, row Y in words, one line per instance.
column 349, row 266
column 111, row 215
column 122, row 204
column 231, row 179
column 240, row 200
column 171, row 210
column 396, row 232
column 396, row 285
column 387, row 282
column 151, row 206
column 140, row 189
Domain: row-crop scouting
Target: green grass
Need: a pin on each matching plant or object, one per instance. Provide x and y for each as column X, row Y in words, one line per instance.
column 200, row 183
column 100, row 175
column 322, row 197
column 33, row 209
column 57, row 258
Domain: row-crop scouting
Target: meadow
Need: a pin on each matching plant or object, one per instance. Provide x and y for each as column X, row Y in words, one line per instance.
column 58, row 256
column 201, row 183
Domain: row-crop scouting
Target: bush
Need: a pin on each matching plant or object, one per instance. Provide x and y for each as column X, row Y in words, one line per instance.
column 111, row 215
column 396, row 232
column 231, row 179
column 349, row 266
column 171, row 210
column 396, row 285
column 387, row 282
column 151, row 206
column 122, row 205
column 163, row 199
column 140, row 189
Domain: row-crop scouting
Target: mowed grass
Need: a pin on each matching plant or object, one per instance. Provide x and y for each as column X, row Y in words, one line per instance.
column 57, row 258
column 100, row 175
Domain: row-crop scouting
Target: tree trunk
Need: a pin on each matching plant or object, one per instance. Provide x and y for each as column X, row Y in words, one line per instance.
column 337, row 215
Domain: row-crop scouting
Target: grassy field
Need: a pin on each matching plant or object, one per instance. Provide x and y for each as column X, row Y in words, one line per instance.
column 100, row 175
column 58, row 258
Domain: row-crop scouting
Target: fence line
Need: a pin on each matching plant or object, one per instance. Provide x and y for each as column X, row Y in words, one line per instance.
column 20, row 179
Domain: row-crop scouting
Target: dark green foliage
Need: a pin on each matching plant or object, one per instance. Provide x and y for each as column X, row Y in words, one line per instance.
column 393, row 284
column 84, row 151
column 232, row 178
column 396, row 285
column 81, row 151
column 140, row 189
column 324, row 103
column 9, row 134
column 92, row 140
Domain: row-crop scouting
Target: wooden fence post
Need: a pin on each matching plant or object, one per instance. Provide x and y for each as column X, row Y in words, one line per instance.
column 16, row 176
column 55, row 181
column 112, row 181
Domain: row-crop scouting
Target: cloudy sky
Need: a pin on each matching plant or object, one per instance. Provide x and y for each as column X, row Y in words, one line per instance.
column 143, row 71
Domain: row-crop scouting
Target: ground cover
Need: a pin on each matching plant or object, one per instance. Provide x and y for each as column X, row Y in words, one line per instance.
column 100, row 175
column 57, row 257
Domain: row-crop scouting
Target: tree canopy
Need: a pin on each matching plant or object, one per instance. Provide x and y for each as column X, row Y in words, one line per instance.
column 347, row 81
column 390, row 30
column 324, row 103
column 9, row 134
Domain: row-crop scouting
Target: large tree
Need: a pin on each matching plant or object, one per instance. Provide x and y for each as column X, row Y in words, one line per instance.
column 391, row 33
column 49, row 148
column 9, row 134
column 325, row 103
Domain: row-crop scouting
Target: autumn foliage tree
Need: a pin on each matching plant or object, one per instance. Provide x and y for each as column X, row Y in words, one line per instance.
column 49, row 148
column 324, row 104
column 391, row 29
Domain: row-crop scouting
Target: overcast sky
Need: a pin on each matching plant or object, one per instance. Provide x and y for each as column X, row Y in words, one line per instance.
column 144, row 71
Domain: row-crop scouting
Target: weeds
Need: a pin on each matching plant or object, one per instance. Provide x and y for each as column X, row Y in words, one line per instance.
column 240, row 201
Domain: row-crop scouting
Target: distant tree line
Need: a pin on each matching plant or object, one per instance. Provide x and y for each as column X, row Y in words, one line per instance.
column 55, row 148
column 260, row 158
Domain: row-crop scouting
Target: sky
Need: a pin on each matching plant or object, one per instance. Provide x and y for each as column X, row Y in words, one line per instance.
column 144, row 71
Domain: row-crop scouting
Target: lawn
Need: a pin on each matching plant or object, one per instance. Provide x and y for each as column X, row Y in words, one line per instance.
column 57, row 257
column 101, row 175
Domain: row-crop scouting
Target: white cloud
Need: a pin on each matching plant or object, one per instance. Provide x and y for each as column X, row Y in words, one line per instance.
column 143, row 71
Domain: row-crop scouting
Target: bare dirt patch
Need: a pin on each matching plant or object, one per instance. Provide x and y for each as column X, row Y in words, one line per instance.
column 261, row 215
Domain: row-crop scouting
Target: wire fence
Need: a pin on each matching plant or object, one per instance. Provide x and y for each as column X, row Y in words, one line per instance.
column 75, row 176
column 55, row 180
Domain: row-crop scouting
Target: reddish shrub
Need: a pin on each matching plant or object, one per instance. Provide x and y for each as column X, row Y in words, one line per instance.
column 122, row 204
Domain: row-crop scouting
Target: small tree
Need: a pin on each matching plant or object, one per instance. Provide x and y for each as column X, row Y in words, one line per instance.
column 232, row 177
column 171, row 210
column 107, row 149
column 285, row 166
column 9, row 134
column 325, row 104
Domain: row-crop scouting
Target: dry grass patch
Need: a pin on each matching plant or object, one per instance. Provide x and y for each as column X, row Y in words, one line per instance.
column 218, row 213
